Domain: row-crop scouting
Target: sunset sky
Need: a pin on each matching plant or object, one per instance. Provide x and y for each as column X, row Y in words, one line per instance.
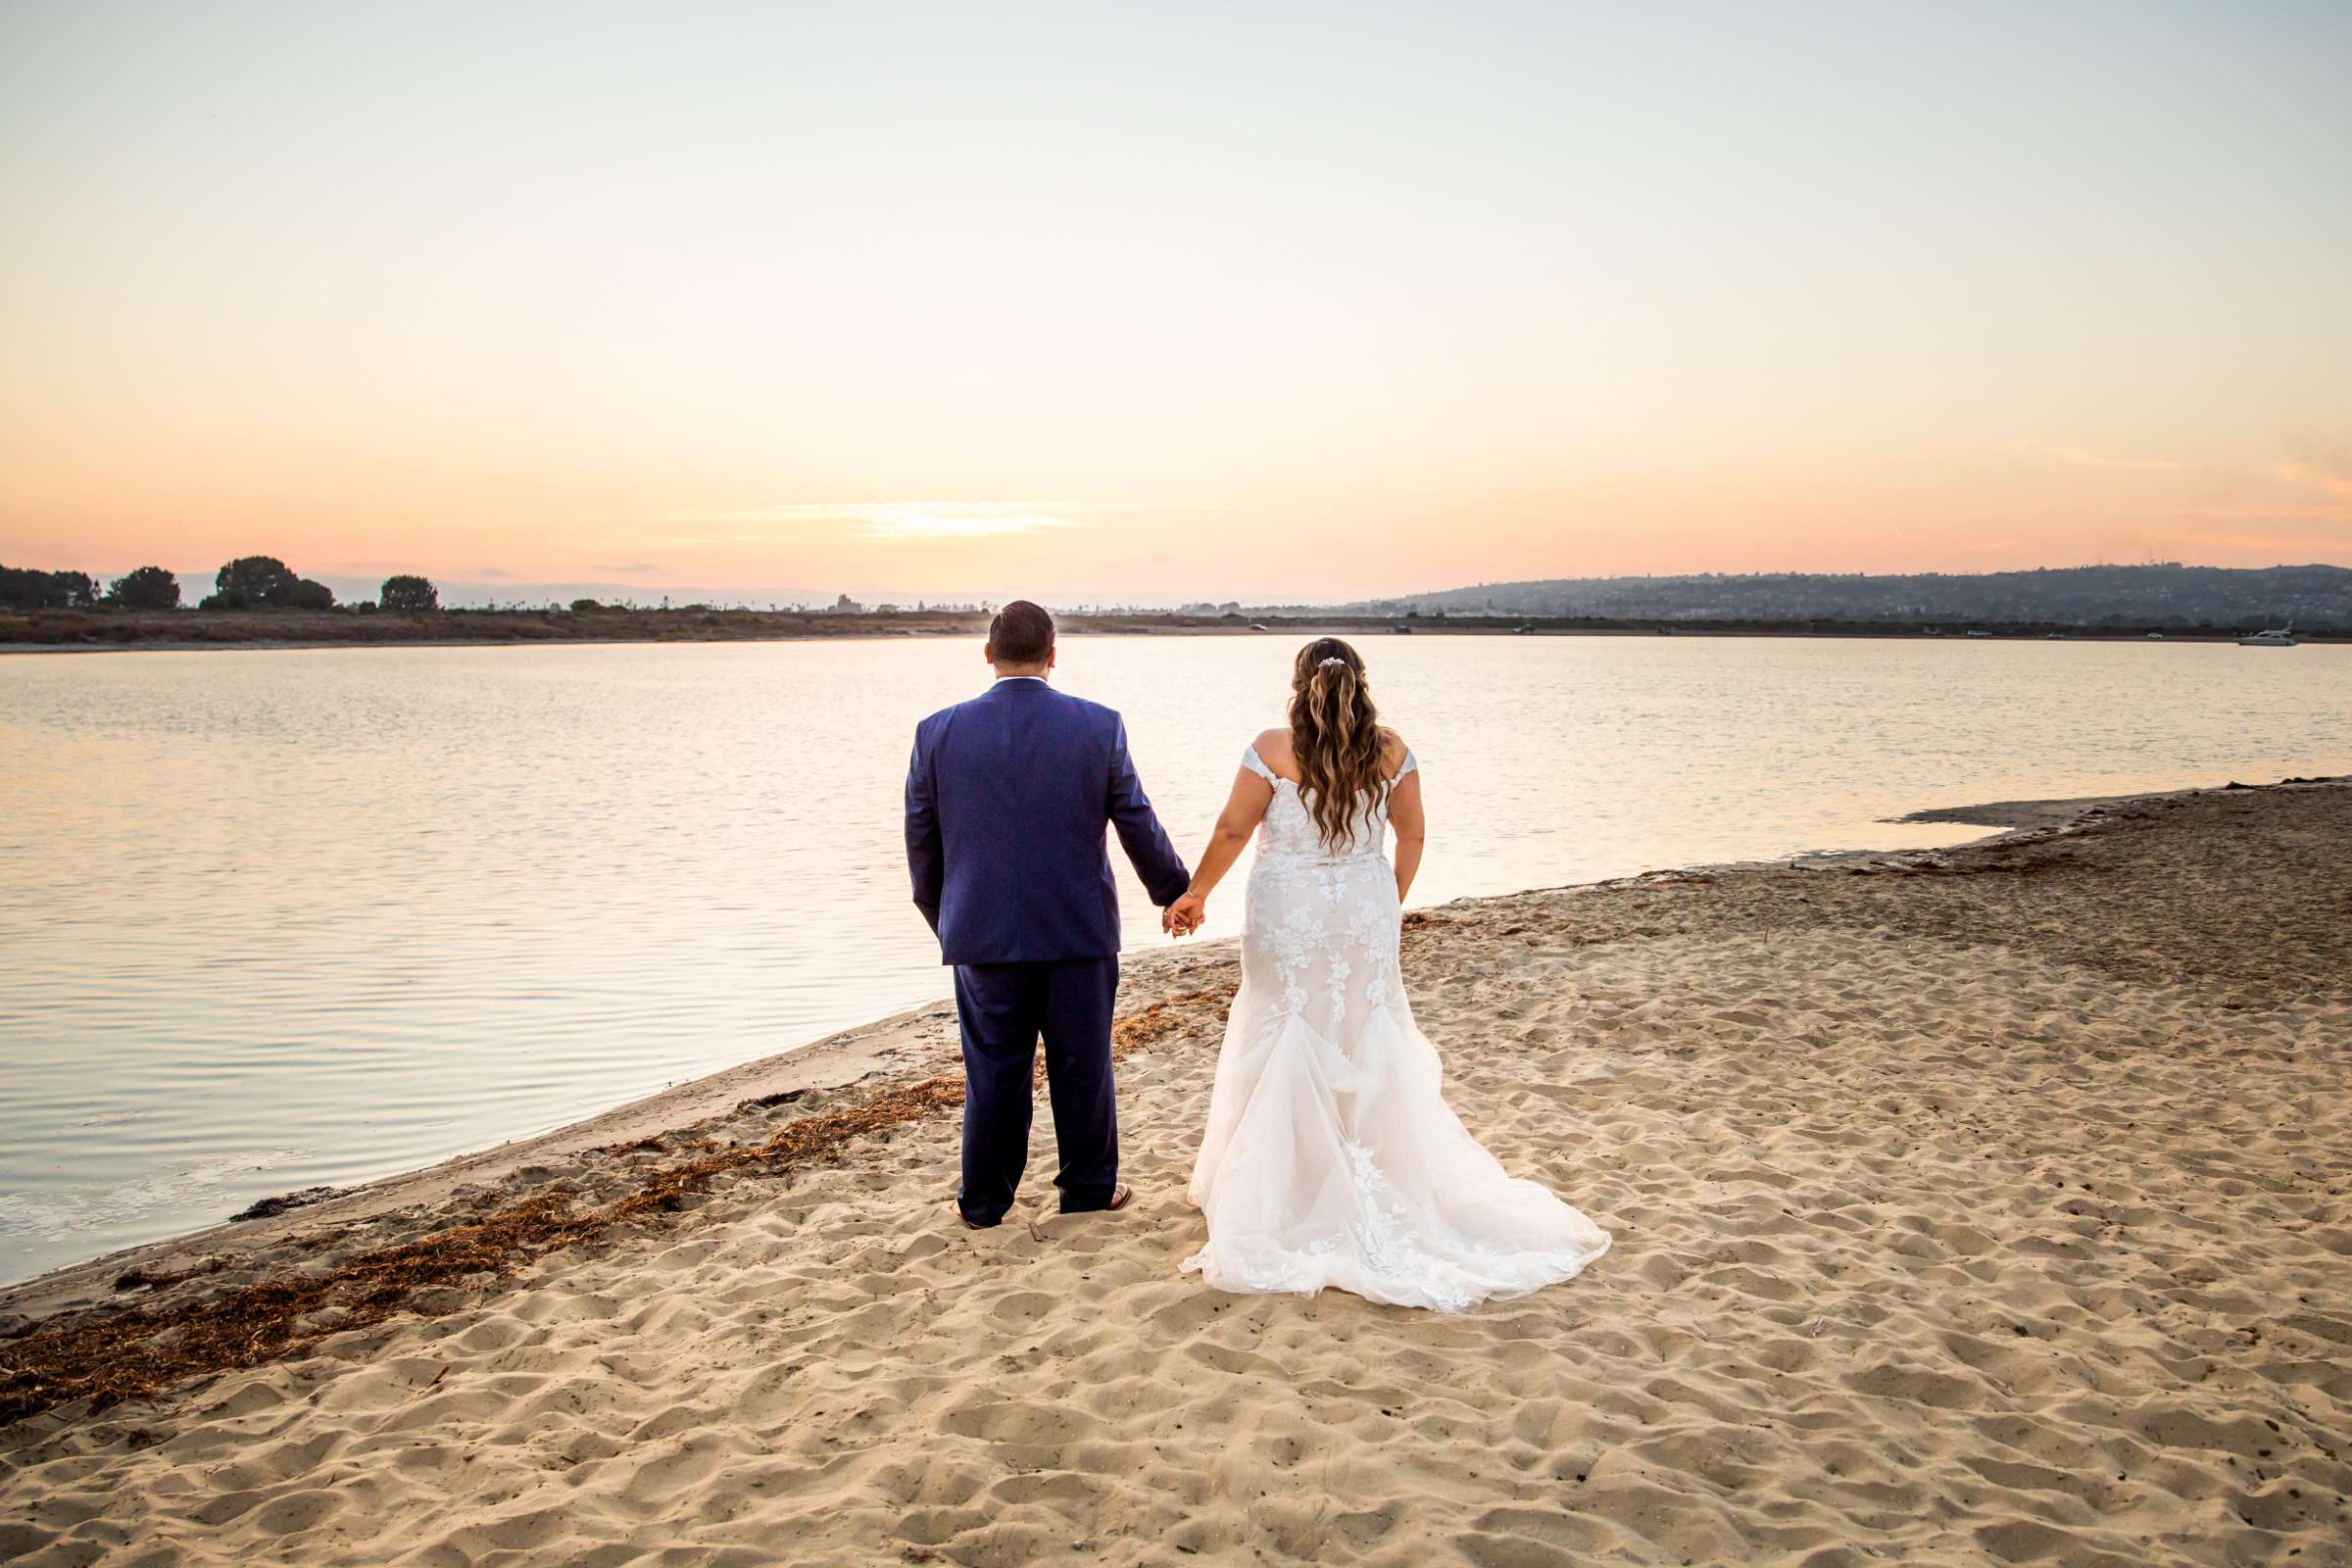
column 1130, row 303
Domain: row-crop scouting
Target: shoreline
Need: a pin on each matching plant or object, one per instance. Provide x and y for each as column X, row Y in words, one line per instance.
column 830, row 1061
column 1798, row 634
column 89, row 631
column 923, row 1035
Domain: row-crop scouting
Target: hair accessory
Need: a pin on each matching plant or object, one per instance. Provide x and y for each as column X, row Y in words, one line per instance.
column 1333, row 660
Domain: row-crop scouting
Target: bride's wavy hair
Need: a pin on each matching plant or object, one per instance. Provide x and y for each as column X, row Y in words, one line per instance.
column 1335, row 733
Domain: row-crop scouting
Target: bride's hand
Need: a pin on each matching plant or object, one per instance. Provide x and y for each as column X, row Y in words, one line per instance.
column 1184, row 917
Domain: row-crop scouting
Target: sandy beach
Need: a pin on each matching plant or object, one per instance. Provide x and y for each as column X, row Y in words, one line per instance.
column 1974, row 1205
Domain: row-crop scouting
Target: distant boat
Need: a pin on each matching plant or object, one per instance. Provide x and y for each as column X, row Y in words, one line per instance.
column 2055, row 637
column 1523, row 628
column 1256, row 625
column 1404, row 631
column 2276, row 637
column 2155, row 636
column 1975, row 634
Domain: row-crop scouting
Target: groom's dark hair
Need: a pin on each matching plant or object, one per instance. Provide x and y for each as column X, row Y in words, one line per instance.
column 1021, row 634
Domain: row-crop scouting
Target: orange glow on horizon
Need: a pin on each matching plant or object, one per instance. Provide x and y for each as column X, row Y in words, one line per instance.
column 1145, row 311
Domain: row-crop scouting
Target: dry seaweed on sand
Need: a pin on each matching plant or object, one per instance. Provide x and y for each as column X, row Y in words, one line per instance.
column 137, row 1351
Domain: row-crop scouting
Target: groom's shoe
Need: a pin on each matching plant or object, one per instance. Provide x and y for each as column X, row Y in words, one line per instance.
column 971, row 1224
column 1120, row 1193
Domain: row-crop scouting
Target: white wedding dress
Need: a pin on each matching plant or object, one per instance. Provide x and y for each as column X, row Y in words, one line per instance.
column 1331, row 1157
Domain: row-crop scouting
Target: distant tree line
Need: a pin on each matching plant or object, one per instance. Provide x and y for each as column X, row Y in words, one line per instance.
column 2160, row 592
column 257, row 583
column 146, row 588
column 26, row 588
column 249, row 582
column 410, row 593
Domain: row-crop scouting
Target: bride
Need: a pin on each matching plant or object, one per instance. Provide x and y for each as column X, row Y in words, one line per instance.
column 1331, row 1157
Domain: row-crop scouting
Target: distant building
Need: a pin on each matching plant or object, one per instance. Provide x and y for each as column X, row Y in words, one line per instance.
column 846, row 606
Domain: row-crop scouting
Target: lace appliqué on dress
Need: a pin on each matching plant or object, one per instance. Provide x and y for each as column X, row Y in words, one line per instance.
column 1331, row 1158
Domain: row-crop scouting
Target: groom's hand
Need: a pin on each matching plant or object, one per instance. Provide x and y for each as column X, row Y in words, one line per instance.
column 1183, row 918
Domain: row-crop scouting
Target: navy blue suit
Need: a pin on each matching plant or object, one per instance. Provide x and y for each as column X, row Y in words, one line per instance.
column 1009, row 797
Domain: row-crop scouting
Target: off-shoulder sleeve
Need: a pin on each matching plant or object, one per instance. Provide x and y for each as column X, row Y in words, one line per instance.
column 1252, row 762
column 1411, row 763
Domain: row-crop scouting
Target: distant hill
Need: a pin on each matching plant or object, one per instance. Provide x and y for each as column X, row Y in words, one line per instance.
column 2168, row 594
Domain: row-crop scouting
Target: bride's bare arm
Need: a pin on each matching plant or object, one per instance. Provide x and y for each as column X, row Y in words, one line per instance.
column 1244, row 808
column 1406, row 821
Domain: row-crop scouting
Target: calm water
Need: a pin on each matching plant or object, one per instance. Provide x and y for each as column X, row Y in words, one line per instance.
column 270, row 919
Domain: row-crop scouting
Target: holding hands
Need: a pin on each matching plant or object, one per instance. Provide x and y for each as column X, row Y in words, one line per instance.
column 1183, row 918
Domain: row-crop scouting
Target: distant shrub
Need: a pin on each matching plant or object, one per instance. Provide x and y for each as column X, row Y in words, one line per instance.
column 310, row 595
column 410, row 592
column 224, row 598
column 364, row 607
column 254, row 581
column 146, row 588
column 26, row 588
column 585, row 606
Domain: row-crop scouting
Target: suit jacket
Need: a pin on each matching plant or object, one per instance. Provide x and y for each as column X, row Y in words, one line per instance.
column 1008, row 796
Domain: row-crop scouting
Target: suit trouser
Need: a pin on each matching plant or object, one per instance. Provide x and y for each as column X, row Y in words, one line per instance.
column 1004, row 1008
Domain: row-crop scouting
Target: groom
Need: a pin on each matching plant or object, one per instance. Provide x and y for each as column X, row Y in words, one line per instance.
column 1006, row 798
